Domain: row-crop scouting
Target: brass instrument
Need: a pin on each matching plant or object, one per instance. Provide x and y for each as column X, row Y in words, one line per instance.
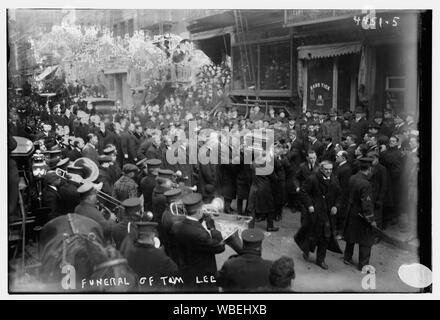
column 92, row 173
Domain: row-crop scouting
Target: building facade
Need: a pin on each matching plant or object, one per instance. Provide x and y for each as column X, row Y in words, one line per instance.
column 319, row 59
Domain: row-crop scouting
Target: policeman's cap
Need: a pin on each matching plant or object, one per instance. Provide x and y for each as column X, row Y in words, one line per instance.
column 153, row 163
column 192, row 201
column 252, row 237
column 131, row 203
column 173, row 193
column 109, row 150
column 165, row 173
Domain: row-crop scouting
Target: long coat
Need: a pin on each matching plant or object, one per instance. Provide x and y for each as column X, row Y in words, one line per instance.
column 197, row 251
column 343, row 174
column 244, row 272
column 322, row 195
column 391, row 159
column 129, row 147
column 243, row 180
column 279, row 189
column 166, row 236
column 147, row 186
column 86, row 210
column 208, row 174
column 357, row 228
column 227, row 175
column 158, row 203
column 334, row 130
column 261, row 199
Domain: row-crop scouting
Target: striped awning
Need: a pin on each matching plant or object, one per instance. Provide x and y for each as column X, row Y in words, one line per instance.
column 328, row 50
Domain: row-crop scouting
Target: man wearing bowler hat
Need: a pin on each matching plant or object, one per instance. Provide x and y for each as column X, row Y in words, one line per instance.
column 132, row 213
column 246, row 271
column 359, row 126
column 149, row 261
column 198, row 244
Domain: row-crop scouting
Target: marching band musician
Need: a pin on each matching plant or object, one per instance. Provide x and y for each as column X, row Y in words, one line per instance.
column 198, row 245
column 132, row 207
column 88, row 208
column 170, row 218
column 146, row 259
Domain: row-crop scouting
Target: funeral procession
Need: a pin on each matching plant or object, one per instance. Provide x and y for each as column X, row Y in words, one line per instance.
column 212, row 151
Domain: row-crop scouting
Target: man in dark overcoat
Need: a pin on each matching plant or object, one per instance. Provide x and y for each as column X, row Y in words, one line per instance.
column 321, row 197
column 360, row 219
column 198, row 245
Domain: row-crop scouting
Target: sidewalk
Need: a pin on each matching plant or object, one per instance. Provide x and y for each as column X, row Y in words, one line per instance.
column 403, row 240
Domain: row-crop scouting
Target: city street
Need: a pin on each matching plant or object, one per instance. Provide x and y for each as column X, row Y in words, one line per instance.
column 339, row 277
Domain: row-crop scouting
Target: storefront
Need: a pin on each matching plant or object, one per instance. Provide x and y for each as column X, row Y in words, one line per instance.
column 327, row 76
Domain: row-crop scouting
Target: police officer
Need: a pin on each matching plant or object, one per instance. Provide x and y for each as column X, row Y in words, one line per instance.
column 132, row 214
column 147, row 260
column 247, row 271
column 360, row 219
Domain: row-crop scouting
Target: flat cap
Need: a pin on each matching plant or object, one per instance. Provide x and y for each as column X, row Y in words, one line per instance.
column 131, row 203
column 104, row 158
column 129, row 167
column 192, row 201
column 252, row 237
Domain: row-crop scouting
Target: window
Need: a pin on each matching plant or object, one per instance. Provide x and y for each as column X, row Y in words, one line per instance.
column 123, row 31
column 275, row 66
column 242, row 70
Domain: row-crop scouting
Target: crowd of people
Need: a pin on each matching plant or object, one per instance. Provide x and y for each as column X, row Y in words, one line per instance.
column 343, row 173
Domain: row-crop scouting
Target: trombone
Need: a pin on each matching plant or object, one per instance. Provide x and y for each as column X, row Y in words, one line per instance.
column 78, row 180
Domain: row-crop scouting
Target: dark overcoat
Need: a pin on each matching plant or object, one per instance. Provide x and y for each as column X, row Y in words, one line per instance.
column 245, row 272
column 360, row 211
column 322, row 194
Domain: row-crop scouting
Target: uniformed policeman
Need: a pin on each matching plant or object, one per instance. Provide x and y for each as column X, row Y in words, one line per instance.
column 149, row 261
column 132, row 208
column 168, row 220
column 149, row 182
column 247, row 271
column 360, row 221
